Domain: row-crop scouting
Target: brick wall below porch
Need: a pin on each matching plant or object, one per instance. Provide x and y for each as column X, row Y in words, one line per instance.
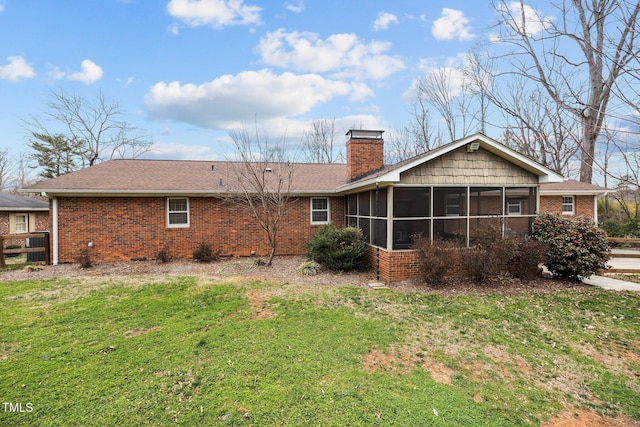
column 394, row 266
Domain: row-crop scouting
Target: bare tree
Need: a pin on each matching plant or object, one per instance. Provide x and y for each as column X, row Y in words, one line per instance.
column 22, row 178
column 438, row 89
column 579, row 58
column 414, row 139
column 6, row 170
column 537, row 127
column 98, row 124
column 262, row 181
column 318, row 142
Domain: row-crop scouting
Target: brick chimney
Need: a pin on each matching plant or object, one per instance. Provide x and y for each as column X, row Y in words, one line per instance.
column 365, row 153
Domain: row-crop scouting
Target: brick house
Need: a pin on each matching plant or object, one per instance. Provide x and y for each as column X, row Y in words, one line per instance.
column 22, row 214
column 133, row 208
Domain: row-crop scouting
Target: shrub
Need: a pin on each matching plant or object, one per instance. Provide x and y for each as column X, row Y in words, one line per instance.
column 575, row 248
column 526, row 259
column 85, row 258
column 630, row 227
column 437, row 259
column 205, row 253
column 338, row 249
column 164, row 255
column 13, row 246
column 309, row 268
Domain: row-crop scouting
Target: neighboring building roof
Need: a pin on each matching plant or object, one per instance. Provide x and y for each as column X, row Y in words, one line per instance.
column 180, row 177
column 11, row 202
column 571, row 187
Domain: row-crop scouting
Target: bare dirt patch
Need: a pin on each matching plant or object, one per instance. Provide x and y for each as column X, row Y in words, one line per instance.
column 138, row 332
column 573, row 417
column 403, row 360
column 258, row 311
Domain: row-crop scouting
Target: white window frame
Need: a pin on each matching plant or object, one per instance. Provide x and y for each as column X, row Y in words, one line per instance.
column 452, row 201
column 572, row 203
column 25, row 223
column 312, row 210
column 514, row 203
column 169, row 212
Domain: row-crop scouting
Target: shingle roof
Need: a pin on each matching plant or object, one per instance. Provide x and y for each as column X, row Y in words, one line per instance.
column 11, row 202
column 176, row 176
column 571, row 186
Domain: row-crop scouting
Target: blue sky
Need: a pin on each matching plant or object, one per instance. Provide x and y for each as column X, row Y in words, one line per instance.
column 185, row 71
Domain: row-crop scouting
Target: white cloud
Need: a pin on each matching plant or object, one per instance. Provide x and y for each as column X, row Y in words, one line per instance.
column 534, row 21
column 344, row 55
column 384, row 20
column 242, row 97
column 217, row 13
column 297, row 7
column 16, row 69
column 55, row 73
column 91, row 72
column 173, row 151
column 2, row 3
column 451, row 25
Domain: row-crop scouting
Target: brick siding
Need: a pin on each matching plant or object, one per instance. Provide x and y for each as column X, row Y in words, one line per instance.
column 364, row 156
column 125, row 227
column 583, row 205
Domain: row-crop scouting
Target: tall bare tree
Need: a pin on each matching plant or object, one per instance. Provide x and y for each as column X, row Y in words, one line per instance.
column 318, row 142
column 262, row 181
column 98, row 124
column 537, row 127
column 6, row 170
column 413, row 139
column 582, row 57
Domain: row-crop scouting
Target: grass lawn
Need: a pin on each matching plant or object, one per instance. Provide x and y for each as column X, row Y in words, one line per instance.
column 195, row 351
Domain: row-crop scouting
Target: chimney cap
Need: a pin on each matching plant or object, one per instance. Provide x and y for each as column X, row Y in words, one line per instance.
column 364, row 134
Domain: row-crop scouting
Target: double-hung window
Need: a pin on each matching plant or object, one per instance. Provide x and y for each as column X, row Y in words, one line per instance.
column 177, row 212
column 568, row 205
column 319, row 210
column 21, row 223
column 514, row 207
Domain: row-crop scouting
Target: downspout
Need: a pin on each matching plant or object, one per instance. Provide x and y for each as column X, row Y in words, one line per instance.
column 54, row 232
column 595, row 209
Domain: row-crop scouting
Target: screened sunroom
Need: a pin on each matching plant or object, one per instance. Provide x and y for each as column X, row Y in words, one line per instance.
column 392, row 217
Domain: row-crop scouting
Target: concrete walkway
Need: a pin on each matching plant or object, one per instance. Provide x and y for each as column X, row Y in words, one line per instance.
column 609, row 283
column 618, row 261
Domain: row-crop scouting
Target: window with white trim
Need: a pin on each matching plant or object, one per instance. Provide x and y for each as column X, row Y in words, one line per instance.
column 319, row 210
column 22, row 223
column 514, row 207
column 452, row 207
column 568, row 205
column 177, row 212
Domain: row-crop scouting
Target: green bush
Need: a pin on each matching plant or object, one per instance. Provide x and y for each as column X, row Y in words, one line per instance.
column 575, row 248
column 205, row 253
column 309, row 268
column 627, row 228
column 338, row 249
column 13, row 246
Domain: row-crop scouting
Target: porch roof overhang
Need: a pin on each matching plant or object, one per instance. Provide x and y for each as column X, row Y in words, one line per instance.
column 391, row 175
